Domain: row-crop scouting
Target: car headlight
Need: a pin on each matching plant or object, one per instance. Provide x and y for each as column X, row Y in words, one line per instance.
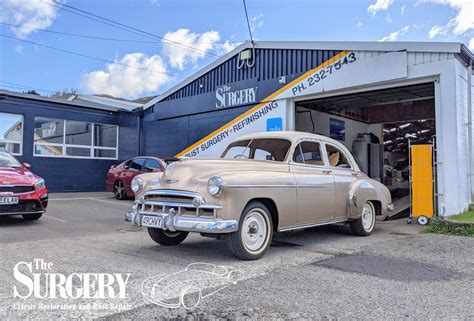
column 215, row 185
column 137, row 184
column 39, row 183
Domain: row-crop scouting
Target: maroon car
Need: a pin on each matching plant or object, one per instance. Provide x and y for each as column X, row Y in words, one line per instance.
column 120, row 176
column 21, row 191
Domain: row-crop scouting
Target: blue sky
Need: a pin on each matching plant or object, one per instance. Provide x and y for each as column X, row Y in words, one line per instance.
column 209, row 26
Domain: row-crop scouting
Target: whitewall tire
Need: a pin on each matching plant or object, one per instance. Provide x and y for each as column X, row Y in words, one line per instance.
column 255, row 233
column 366, row 223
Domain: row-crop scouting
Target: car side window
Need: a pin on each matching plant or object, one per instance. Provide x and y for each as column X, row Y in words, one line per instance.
column 308, row 153
column 137, row 164
column 261, row 154
column 126, row 165
column 151, row 164
column 336, row 157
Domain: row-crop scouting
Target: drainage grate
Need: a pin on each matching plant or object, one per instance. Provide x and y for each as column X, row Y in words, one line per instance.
column 398, row 269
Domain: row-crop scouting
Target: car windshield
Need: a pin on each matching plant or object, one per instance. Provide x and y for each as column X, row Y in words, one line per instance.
column 7, row 160
column 272, row 149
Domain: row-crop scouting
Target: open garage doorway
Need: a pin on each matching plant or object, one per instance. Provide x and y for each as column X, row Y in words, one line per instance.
column 378, row 127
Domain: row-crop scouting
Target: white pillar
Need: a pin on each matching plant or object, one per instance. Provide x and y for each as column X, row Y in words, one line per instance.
column 290, row 114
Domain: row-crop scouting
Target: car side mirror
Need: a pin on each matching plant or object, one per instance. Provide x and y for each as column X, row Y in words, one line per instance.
column 26, row 165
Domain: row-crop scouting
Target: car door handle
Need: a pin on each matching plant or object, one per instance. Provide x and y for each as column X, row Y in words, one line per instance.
column 354, row 174
column 327, row 171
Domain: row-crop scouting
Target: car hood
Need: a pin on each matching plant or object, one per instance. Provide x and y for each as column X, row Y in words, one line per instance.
column 189, row 174
column 16, row 176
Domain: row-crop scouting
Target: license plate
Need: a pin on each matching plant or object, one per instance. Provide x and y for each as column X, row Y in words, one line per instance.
column 152, row 221
column 8, row 200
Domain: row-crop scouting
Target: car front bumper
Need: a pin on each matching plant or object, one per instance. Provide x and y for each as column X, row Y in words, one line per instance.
column 173, row 223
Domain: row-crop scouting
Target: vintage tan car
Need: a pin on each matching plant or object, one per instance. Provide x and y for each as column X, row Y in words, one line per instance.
column 264, row 182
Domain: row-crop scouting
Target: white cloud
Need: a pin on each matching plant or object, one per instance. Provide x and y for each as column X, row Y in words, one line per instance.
column 437, row 30
column 378, row 6
column 195, row 46
column 155, row 3
column 27, row 13
column 461, row 23
column 256, row 22
column 394, row 35
column 402, row 9
column 388, row 18
column 471, row 44
column 359, row 24
column 123, row 78
column 228, row 46
column 19, row 49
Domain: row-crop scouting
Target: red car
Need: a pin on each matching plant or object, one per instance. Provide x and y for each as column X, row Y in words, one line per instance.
column 119, row 177
column 21, row 191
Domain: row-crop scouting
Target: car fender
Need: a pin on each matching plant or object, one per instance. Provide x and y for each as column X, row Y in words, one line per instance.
column 362, row 190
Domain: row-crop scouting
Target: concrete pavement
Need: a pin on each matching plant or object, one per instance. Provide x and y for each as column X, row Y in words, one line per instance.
column 317, row 273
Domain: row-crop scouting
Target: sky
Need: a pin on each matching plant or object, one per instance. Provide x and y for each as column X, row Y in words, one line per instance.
column 183, row 36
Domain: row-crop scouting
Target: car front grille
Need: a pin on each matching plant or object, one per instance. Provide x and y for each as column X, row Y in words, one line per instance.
column 16, row 189
column 162, row 201
column 26, row 206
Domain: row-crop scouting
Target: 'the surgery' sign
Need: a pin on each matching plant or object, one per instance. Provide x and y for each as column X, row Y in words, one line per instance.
column 226, row 97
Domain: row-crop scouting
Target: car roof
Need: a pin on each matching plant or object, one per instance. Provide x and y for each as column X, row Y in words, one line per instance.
column 295, row 136
column 292, row 136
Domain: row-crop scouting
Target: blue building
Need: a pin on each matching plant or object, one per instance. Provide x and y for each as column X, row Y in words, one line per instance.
column 71, row 144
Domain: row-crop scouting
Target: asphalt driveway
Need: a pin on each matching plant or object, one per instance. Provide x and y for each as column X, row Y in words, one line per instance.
column 317, row 273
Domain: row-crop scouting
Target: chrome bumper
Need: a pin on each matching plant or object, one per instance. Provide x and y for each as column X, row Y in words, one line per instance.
column 180, row 211
column 187, row 224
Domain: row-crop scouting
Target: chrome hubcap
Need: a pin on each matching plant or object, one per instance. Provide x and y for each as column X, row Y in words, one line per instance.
column 367, row 217
column 254, row 231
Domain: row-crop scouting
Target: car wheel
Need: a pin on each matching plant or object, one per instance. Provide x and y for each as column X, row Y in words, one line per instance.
column 365, row 225
column 119, row 190
column 32, row 217
column 166, row 238
column 255, row 233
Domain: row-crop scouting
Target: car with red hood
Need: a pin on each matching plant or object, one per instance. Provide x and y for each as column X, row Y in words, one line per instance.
column 21, row 191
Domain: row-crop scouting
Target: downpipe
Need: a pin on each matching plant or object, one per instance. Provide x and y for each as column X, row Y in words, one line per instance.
column 470, row 133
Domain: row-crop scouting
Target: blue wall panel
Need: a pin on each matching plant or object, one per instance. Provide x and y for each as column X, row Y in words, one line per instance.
column 68, row 174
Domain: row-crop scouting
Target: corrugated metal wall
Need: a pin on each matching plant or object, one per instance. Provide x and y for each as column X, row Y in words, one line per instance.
column 270, row 63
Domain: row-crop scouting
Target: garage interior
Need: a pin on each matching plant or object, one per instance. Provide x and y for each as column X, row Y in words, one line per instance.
column 377, row 127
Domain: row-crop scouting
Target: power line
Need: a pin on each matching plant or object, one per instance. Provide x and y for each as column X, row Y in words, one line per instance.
column 91, row 57
column 24, row 86
column 248, row 22
column 122, row 26
column 104, row 38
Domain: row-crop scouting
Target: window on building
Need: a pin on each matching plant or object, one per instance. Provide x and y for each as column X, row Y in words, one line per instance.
column 75, row 139
column 11, row 133
column 308, row 153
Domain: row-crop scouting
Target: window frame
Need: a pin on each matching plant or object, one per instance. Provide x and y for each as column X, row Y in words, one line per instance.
column 92, row 148
column 9, row 141
column 322, row 151
column 349, row 161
